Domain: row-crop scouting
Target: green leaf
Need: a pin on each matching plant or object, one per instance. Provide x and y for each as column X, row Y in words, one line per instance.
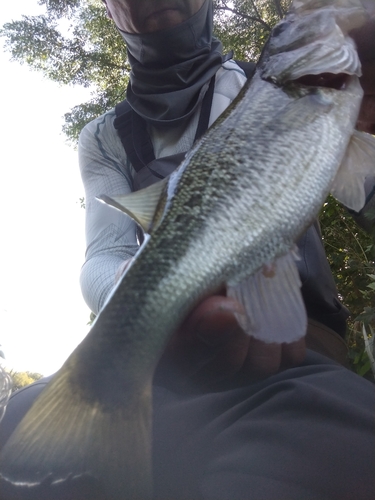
column 364, row 368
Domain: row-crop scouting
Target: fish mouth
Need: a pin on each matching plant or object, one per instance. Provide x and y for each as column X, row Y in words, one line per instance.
column 327, row 80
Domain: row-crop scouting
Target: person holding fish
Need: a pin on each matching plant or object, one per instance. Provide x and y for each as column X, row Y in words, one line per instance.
column 212, row 326
column 240, row 410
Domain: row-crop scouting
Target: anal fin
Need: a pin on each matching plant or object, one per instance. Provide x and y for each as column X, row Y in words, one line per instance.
column 272, row 299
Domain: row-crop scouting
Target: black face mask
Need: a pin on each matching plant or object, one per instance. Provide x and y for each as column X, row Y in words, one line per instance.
column 172, row 68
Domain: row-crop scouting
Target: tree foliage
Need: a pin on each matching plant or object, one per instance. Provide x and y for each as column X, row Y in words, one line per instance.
column 351, row 254
column 244, row 25
column 75, row 43
column 22, row 379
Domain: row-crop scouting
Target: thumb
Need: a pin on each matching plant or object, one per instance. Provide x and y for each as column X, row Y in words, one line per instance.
column 213, row 322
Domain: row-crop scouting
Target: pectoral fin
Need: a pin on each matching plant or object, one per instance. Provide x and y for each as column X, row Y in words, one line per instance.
column 358, row 163
column 141, row 205
column 272, row 299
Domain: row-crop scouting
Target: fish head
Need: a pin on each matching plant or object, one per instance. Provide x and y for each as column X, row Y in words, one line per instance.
column 313, row 39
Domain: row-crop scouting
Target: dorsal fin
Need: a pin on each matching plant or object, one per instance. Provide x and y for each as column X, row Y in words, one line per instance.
column 140, row 205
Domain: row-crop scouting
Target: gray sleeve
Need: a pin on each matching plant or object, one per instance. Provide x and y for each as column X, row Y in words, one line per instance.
column 110, row 234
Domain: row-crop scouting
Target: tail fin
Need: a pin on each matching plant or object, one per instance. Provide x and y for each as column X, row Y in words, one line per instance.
column 68, row 435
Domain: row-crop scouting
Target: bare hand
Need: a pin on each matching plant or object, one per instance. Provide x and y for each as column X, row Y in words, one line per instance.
column 210, row 347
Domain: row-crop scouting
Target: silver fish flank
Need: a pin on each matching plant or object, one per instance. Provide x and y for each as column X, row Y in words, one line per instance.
column 238, row 203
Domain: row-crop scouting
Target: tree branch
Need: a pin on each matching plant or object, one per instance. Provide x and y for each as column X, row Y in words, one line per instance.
column 245, row 16
column 255, row 9
column 279, row 8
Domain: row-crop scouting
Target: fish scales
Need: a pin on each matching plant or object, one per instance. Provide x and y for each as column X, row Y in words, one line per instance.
column 230, row 186
column 239, row 201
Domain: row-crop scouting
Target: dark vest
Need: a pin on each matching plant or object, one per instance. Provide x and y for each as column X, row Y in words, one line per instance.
column 318, row 286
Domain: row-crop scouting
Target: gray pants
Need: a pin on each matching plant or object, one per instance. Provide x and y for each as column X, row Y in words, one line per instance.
column 305, row 433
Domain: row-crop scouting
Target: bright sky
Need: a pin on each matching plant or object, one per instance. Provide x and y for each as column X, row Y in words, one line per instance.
column 42, row 314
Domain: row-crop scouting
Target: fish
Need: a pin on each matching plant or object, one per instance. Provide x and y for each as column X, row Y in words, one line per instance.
column 229, row 217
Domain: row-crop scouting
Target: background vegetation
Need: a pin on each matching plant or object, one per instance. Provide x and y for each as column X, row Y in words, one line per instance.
column 75, row 43
column 22, row 379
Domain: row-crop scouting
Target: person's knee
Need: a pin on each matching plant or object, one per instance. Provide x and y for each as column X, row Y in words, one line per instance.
column 19, row 404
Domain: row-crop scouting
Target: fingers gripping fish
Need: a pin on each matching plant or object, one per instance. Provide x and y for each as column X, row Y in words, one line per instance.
column 228, row 216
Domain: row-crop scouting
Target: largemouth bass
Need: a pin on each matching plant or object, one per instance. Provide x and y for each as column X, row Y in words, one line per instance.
column 229, row 216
